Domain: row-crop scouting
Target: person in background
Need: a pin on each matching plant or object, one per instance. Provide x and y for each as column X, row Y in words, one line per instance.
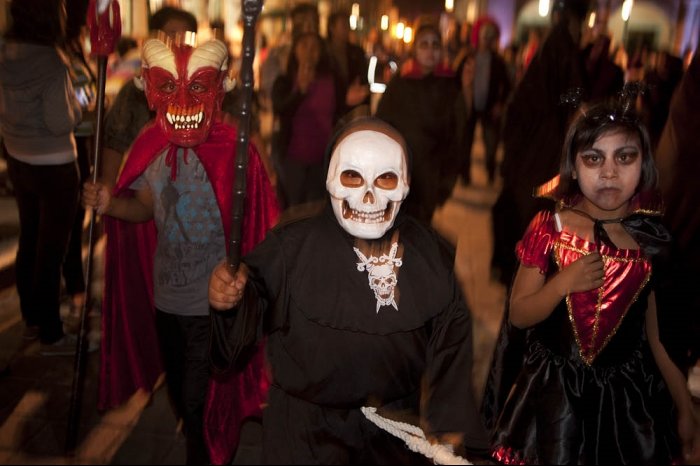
column 534, row 129
column 304, row 19
column 678, row 162
column 419, row 102
column 123, row 66
column 605, row 77
column 306, row 100
column 491, row 91
column 85, row 85
column 349, row 63
column 661, row 80
column 38, row 114
column 464, row 111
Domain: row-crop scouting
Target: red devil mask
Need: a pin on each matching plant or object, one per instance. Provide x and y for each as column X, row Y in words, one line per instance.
column 185, row 85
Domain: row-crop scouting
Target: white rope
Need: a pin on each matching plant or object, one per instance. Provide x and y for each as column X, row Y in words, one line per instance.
column 414, row 438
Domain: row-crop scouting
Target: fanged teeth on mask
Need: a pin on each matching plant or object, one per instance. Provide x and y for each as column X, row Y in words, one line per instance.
column 185, row 121
column 378, row 216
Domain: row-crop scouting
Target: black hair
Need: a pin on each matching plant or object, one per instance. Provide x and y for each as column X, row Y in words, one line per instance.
column 76, row 18
column 576, row 8
column 159, row 19
column 304, row 8
column 322, row 67
column 589, row 125
column 124, row 44
column 428, row 27
column 38, row 21
column 300, row 10
column 332, row 18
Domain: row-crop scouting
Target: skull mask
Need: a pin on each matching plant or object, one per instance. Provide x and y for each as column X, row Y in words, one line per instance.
column 185, row 85
column 367, row 180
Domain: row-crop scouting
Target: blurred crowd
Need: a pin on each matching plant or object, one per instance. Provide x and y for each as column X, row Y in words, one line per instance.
column 437, row 89
column 451, row 83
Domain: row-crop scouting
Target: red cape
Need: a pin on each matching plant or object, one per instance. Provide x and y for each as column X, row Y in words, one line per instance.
column 130, row 358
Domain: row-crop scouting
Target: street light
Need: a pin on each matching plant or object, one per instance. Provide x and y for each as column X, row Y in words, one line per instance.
column 399, row 30
column 626, row 9
column 543, row 8
column 449, row 5
column 407, row 35
column 384, row 22
column 591, row 20
column 626, row 12
column 355, row 16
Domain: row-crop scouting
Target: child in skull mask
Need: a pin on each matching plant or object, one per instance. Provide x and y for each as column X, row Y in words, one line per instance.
column 361, row 308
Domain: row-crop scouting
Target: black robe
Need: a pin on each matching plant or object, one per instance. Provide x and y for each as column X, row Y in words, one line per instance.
column 422, row 109
column 533, row 136
column 332, row 349
column 677, row 158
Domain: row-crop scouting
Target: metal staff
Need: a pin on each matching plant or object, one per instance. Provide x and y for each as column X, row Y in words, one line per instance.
column 105, row 28
column 251, row 10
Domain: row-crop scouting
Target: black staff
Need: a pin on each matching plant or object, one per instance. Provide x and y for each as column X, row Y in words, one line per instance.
column 105, row 28
column 251, row 10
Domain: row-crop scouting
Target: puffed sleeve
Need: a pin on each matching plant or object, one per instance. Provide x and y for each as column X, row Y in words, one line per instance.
column 534, row 248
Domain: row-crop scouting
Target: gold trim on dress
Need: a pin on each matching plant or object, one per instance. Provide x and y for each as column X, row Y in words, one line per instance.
column 590, row 357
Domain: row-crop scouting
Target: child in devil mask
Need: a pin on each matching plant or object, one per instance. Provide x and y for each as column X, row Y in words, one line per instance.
column 175, row 189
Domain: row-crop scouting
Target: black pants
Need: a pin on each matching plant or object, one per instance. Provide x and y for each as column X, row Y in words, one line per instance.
column 491, row 135
column 184, row 344
column 73, row 275
column 47, row 196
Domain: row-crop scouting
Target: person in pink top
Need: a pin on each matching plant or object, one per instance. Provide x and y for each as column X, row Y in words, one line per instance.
column 306, row 101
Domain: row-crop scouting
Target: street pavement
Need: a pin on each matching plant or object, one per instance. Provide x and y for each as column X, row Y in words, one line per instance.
column 35, row 390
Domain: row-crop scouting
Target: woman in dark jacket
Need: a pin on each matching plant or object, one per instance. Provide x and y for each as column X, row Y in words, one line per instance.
column 420, row 102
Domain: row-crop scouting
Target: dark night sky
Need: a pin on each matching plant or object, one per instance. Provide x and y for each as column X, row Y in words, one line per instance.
column 413, row 8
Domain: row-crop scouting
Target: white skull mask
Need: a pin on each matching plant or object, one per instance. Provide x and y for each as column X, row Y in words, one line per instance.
column 367, row 180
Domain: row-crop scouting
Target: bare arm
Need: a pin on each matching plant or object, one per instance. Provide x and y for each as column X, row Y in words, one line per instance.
column 688, row 425
column 533, row 299
column 132, row 209
column 111, row 163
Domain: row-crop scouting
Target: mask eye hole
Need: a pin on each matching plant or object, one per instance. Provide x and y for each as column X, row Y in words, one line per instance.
column 168, row 87
column 198, row 87
column 388, row 180
column 351, row 179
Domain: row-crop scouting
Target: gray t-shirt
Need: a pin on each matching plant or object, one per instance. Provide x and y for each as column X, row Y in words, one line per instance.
column 190, row 233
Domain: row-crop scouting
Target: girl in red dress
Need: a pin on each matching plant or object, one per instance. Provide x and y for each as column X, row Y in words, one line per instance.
column 594, row 383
